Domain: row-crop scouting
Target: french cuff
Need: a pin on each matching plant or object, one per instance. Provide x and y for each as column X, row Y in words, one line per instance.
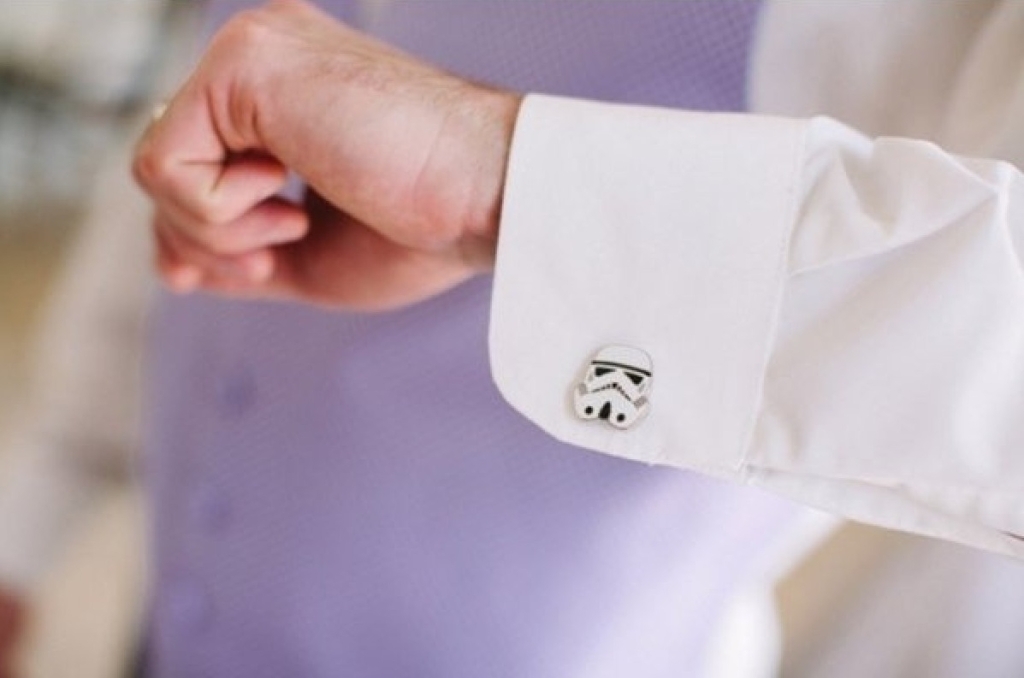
column 662, row 230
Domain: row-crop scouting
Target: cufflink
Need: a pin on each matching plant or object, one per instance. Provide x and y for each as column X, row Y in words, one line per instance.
column 615, row 386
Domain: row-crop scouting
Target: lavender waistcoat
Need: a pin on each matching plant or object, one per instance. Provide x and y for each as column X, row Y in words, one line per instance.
column 340, row 494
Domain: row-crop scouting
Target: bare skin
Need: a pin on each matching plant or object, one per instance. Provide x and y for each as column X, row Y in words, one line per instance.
column 406, row 164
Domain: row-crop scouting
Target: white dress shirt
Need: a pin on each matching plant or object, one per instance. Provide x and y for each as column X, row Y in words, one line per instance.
column 837, row 315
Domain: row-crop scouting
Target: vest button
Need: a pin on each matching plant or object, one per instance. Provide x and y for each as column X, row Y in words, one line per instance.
column 210, row 508
column 237, row 392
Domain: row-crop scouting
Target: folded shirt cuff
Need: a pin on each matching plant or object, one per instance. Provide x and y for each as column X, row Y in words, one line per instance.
column 657, row 229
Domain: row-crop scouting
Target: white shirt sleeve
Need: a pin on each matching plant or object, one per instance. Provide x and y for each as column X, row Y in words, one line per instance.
column 835, row 317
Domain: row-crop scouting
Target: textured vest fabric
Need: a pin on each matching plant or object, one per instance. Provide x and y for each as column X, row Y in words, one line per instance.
column 342, row 494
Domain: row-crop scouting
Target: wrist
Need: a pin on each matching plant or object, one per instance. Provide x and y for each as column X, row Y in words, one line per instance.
column 494, row 126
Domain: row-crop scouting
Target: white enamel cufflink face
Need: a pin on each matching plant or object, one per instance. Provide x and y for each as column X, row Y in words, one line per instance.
column 615, row 386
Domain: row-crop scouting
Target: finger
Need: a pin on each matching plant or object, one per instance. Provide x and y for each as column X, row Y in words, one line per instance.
column 218, row 278
column 178, row 275
column 209, row 193
column 184, row 134
column 275, row 221
column 254, row 265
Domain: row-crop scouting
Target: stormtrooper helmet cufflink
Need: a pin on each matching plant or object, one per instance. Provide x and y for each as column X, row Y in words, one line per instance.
column 615, row 386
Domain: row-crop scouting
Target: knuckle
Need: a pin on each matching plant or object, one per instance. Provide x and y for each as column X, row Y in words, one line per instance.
column 149, row 168
column 247, row 29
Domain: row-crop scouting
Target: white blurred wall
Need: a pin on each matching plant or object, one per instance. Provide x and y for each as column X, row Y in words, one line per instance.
column 70, row 73
column 74, row 76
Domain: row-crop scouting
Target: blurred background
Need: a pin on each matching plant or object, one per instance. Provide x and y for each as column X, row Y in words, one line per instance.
column 72, row 73
column 77, row 79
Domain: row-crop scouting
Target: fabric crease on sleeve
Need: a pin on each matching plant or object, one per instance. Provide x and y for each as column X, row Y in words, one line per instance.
column 834, row 317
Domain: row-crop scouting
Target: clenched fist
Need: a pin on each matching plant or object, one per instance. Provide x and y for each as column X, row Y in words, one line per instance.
column 405, row 165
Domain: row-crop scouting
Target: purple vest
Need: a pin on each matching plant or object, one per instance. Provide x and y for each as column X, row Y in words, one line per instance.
column 339, row 494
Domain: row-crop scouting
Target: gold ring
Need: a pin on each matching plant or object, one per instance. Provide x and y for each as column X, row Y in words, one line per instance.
column 158, row 112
